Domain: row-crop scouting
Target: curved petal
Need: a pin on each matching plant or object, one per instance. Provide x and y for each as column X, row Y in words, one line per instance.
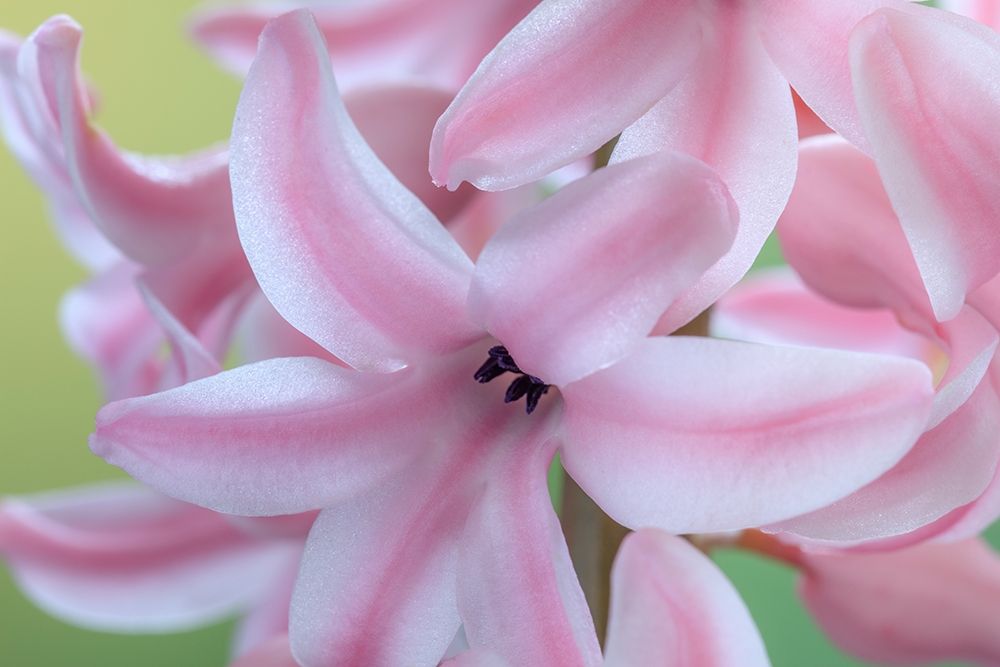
column 40, row 154
column 107, row 323
column 344, row 252
column 154, row 209
column 670, row 605
column 123, row 558
column 475, row 658
column 440, row 41
column 910, row 607
column 264, row 334
column 276, row 437
column 928, row 93
column 518, row 593
column 190, row 359
column 734, row 112
column 841, row 235
column 685, row 434
column 573, row 284
column 808, row 41
column 949, row 466
column 377, row 584
column 775, row 308
column 984, row 11
column 539, row 100
column 273, row 653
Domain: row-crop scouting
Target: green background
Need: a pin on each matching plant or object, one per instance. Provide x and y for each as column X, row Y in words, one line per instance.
column 159, row 94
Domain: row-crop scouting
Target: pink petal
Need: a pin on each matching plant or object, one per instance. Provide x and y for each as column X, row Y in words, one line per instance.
column 775, row 308
column 191, row 360
column 670, row 605
column 475, row 658
column 274, row 653
column 40, row 153
column 841, row 235
column 276, row 437
column 734, row 112
column 518, row 593
column 122, row 558
column 928, row 93
column 344, row 252
column 949, row 466
column 685, row 434
column 575, row 283
column 540, row 99
column 108, row 324
column 910, row 607
column 154, row 209
column 808, row 41
column 377, row 585
column 984, row 11
column 440, row 41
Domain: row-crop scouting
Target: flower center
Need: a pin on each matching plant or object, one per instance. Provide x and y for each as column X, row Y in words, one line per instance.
column 529, row 386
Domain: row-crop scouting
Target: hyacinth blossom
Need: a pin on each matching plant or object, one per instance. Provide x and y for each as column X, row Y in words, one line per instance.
column 434, row 489
column 915, row 87
column 166, row 224
column 670, row 606
column 841, row 234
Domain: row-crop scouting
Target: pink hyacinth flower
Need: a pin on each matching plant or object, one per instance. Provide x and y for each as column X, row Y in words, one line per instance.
column 434, row 488
column 841, row 234
column 203, row 285
column 914, row 86
column 428, row 41
column 122, row 558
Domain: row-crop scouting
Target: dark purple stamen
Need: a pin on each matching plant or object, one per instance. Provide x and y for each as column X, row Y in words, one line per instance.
column 501, row 362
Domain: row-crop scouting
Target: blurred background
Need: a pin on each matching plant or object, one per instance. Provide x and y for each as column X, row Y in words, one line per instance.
column 158, row 94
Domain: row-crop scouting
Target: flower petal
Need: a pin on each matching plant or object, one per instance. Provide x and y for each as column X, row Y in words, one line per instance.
column 377, row 584
column 154, row 209
column 518, row 593
column 268, row 620
column 841, row 235
column 734, row 112
column 774, row 308
column 573, row 284
column 928, row 92
column 949, row 466
column 670, row 605
column 344, row 252
column 276, row 437
column 539, row 100
column 808, row 41
column 910, row 607
column 440, row 41
column 122, row 558
column 686, row 434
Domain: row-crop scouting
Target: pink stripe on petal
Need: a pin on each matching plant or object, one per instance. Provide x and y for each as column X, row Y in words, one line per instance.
column 670, row 605
column 276, row 437
column 122, row 558
column 154, row 209
column 568, row 78
column 573, row 284
column 734, row 112
column 685, row 433
column 518, row 593
column 344, row 252
column 928, row 92
column 377, row 584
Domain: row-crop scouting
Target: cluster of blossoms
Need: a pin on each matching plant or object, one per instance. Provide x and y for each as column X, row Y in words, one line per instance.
column 369, row 486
